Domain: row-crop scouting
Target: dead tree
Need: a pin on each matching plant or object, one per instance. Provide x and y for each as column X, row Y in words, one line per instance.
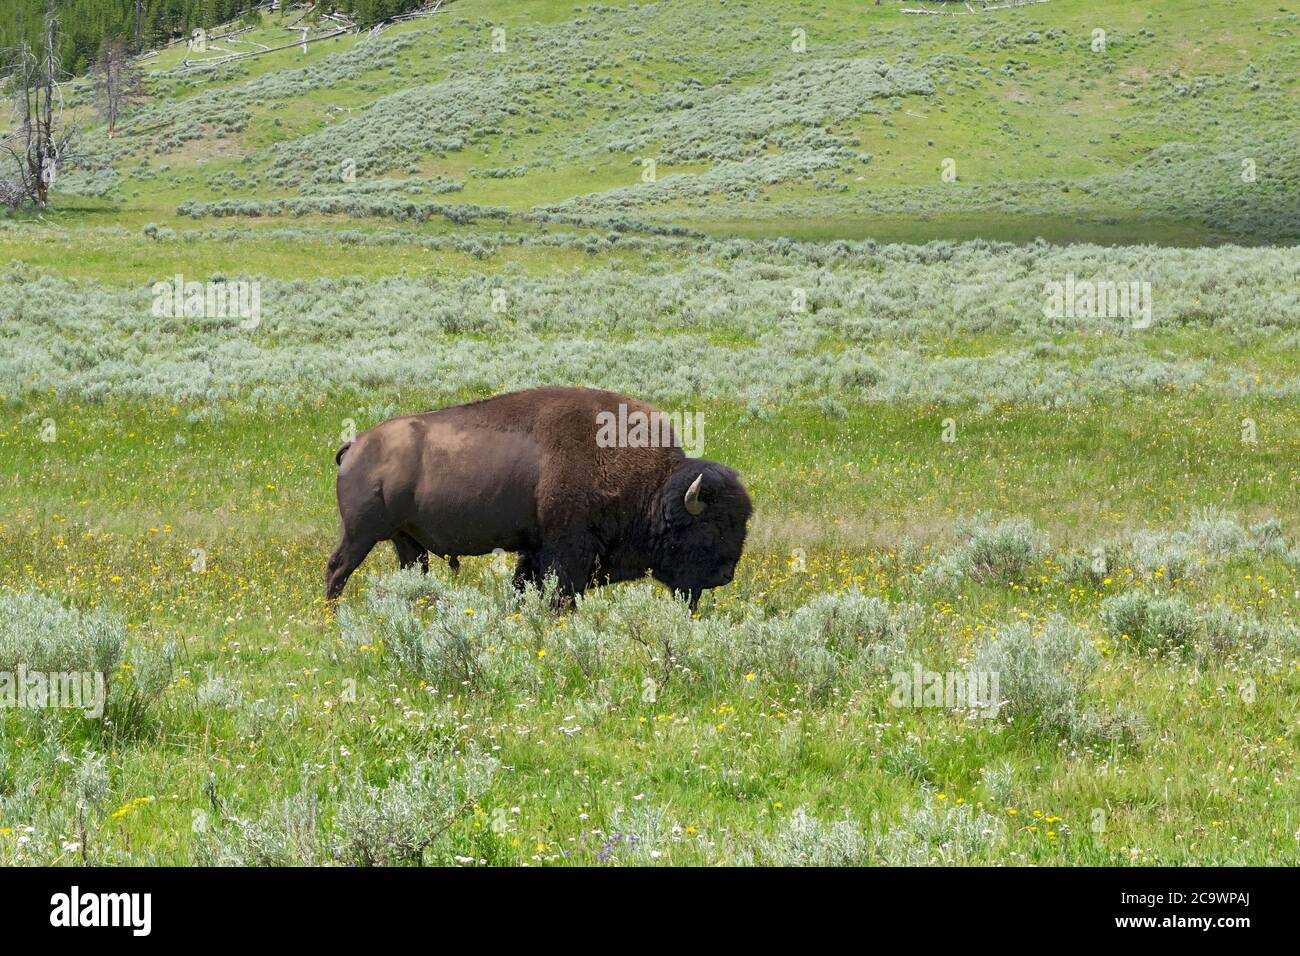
column 38, row 140
column 139, row 26
column 116, row 81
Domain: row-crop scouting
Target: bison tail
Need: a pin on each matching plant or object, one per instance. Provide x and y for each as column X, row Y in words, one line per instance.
column 338, row 455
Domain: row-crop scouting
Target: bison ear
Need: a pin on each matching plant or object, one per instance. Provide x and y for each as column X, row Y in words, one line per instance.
column 692, row 500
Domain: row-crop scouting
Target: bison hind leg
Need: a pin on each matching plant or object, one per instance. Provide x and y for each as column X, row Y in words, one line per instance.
column 453, row 562
column 410, row 552
column 345, row 559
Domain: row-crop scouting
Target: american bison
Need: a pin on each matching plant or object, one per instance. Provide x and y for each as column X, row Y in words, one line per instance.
column 524, row 472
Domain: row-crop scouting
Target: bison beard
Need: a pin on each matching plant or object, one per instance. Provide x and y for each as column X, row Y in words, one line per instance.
column 523, row 472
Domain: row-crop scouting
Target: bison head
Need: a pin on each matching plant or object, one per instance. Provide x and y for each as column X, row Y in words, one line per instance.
column 703, row 512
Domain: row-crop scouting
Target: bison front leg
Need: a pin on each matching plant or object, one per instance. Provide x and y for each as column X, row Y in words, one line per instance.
column 527, row 572
column 692, row 596
column 573, row 564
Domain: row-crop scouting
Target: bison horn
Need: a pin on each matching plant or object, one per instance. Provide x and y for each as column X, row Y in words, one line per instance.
column 692, row 500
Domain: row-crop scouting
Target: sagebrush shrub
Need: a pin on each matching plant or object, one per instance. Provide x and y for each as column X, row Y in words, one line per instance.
column 989, row 551
column 1146, row 620
column 218, row 693
column 805, row 840
column 936, row 833
column 90, row 780
column 836, row 639
column 999, row 783
column 388, row 825
column 1041, row 675
column 1163, row 557
column 288, row 833
column 488, row 637
column 785, row 654
column 1077, row 566
column 1000, row 551
column 854, row 624
column 40, row 633
column 693, row 293
column 611, row 622
column 449, row 634
column 396, row 823
column 1224, row 633
column 907, row 760
column 44, row 634
column 637, row 834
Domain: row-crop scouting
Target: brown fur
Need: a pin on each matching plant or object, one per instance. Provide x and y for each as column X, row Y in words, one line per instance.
column 523, row 472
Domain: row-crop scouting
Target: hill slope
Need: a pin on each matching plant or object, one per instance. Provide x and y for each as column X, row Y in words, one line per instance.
column 833, row 119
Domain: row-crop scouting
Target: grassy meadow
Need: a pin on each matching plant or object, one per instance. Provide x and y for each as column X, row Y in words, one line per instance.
column 825, row 227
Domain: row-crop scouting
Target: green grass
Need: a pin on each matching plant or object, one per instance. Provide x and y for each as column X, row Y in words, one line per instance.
column 962, row 226
column 111, row 512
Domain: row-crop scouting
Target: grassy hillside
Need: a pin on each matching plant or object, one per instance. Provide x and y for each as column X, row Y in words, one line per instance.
column 1140, row 139
column 946, row 474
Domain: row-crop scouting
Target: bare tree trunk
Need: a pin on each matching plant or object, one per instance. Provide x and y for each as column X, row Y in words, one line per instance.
column 47, row 154
column 37, row 142
column 116, row 81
